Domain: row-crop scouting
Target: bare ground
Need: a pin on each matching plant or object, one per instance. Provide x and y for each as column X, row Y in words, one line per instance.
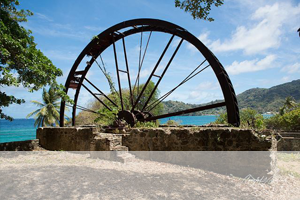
column 69, row 175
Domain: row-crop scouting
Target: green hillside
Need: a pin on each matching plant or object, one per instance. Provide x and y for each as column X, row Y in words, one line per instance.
column 261, row 99
column 264, row 100
column 174, row 106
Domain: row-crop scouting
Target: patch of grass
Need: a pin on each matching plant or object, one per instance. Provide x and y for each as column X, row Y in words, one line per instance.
column 286, row 172
column 173, row 122
column 147, row 124
column 288, row 157
column 195, row 128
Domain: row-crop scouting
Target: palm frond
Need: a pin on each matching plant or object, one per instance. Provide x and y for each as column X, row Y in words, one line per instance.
column 37, row 103
column 33, row 113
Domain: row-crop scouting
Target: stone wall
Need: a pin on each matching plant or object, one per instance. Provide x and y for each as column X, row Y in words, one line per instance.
column 290, row 141
column 28, row 145
column 198, row 139
column 222, row 150
column 156, row 139
column 72, row 139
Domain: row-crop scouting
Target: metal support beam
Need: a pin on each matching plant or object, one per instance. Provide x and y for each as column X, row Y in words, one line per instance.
column 118, row 75
column 187, row 111
column 96, row 97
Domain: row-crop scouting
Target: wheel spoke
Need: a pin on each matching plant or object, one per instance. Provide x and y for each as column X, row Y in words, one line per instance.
column 102, row 93
column 128, row 74
column 155, row 103
column 140, row 67
column 153, row 71
column 111, row 85
column 162, row 75
column 97, row 97
column 117, row 69
column 139, row 71
column 201, row 108
column 82, row 108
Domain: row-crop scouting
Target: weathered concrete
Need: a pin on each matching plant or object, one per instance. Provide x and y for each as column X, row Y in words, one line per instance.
column 28, row 145
column 290, row 141
column 197, row 139
column 72, row 139
column 222, row 150
column 156, row 139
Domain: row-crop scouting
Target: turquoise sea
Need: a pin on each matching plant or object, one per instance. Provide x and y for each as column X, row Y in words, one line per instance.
column 191, row 120
column 23, row 129
column 17, row 130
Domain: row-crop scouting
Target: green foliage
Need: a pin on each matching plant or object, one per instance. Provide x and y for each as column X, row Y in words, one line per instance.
column 259, row 99
column 48, row 113
column 106, row 117
column 21, row 63
column 289, row 121
column 159, row 108
column 175, row 106
column 152, row 124
column 173, row 123
column 289, row 105
column 199, row 9
column 269, row 100
column 288, row 117
column 221, row 119
column 249, row 119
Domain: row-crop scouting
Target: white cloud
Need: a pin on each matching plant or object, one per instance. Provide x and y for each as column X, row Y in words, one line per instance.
column 60, row 55
column 203, row 37
column 42, row 16
column 175, row 42
column 202, row 96
column 286, row 78
column 59, row 30
column 94, row 28
column 145, row 73
column 208, row 86
column 251, row 65
column 291, row 69
column 265, row 33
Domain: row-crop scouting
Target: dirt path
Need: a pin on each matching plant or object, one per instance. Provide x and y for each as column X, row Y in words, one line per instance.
column 66, row 175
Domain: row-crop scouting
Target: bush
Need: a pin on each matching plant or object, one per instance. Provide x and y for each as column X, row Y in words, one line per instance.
column 152, row 124
column 249, row 119
column 221, row 119
column 288, row 121
column 106, row 117
column 173, row 123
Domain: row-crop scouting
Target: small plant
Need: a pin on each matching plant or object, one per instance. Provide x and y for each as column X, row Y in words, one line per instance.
column 249, row 119
column 195, row 128
column 152, row 124
column 95, row 37
column 106, row 117
column 288, row 117
column 173, row 122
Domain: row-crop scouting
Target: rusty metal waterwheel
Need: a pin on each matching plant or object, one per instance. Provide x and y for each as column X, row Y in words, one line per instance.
column 117, row 36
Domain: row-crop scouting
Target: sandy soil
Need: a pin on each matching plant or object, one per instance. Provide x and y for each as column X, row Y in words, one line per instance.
column 75, row 175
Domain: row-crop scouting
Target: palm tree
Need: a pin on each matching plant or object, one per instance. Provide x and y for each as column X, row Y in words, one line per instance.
column 290, row 102
column 48, row 113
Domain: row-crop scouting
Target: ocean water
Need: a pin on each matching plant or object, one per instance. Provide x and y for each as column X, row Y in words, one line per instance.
column 17, row 130
column 23, row 129
column 191, row 120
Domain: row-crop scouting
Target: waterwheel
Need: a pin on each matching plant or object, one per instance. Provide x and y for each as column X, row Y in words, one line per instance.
column 114, row 42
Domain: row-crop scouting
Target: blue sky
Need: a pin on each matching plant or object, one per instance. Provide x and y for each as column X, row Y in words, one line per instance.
column 256, row 41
